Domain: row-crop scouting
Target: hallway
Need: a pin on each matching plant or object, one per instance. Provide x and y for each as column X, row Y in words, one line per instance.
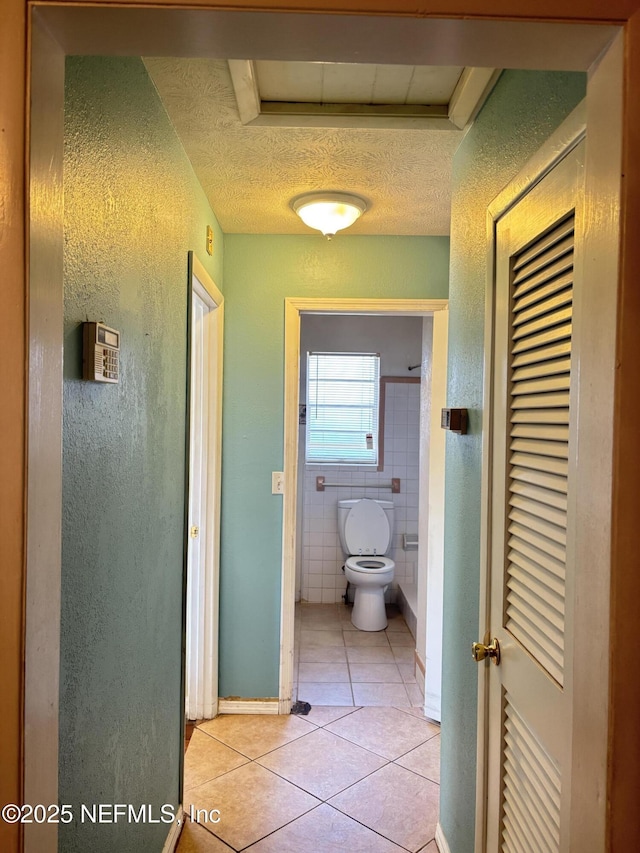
column 358, row 777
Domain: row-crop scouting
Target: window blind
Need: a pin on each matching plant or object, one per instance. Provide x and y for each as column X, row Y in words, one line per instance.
column 342, row 407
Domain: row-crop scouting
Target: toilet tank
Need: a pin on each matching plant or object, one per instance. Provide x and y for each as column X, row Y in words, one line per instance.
column 365, row 526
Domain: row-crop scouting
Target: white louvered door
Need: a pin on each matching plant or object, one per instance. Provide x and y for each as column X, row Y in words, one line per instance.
column 531, row 560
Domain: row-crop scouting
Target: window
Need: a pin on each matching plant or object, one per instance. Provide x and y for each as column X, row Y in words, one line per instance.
column 342, row 407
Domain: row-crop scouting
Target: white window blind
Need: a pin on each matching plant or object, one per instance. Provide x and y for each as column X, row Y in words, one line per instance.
column 342, row 407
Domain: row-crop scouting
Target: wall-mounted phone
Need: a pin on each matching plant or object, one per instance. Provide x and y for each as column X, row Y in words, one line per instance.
column 100, row 353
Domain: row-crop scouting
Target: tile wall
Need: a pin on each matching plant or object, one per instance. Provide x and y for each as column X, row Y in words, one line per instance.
column 322, row 578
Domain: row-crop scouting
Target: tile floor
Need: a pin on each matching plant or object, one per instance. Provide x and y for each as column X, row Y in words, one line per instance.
column 337, row 665
column 342, row 778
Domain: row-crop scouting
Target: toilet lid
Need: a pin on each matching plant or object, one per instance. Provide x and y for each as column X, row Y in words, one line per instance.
column 366, row 530
column 370, row 565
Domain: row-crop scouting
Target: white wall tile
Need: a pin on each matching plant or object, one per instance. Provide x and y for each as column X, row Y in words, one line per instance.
column 322, row 557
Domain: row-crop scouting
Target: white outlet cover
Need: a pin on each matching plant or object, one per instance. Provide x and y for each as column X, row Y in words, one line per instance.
column 277, row 482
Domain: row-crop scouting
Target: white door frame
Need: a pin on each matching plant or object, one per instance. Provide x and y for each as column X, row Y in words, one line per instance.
column 431, row 522
column 293, row 309
column 202, row 284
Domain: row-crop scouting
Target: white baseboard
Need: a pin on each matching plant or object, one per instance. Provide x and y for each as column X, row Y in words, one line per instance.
column 284, row 706
column 174, row 833
column 441, row 841
column 248, row 706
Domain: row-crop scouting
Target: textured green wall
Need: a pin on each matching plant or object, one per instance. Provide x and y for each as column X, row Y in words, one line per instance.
column 133, row 209
column 259, row 272
column 524, row 108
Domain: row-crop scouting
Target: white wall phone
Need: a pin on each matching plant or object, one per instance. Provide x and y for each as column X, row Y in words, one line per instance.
column 100, row 353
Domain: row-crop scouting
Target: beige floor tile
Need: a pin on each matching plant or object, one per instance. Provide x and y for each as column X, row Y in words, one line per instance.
column 313, row 653
column 398, row 804
column 408, row 672
column 365, row 638
column 425, row 759
column 416, row 696
column 254, row 734
column 322, row 715
column 196, row 839
column 387, row 673
column 370, row 654
column 207, row 758
column 325, row 830
column 252, row 802
column 323, row 672
column 327, row 693
column 431, row 847
column 398, row 638
column 307, row 609
column 396, row 623
column 311, row 637
column 389, row 732
column 380, row 694
column 322, row 763
column 403, row 654
column 419, row 713
column 321, row 622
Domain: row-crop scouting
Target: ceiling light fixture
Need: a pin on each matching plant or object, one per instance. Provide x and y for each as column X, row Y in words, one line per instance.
column 329, row 211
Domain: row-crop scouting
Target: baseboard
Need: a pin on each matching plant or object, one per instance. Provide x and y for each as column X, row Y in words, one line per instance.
column 174, row 833
column 248, row 706
column 284, row 706
column 441, row 841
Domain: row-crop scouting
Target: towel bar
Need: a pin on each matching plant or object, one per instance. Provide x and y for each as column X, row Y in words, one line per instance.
column 394, row 485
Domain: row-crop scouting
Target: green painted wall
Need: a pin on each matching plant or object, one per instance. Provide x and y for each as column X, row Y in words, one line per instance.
column 524, row 108
column 259, row 272
column 133, row 209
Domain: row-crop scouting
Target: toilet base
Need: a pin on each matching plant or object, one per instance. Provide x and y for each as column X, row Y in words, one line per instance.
column 369, row 611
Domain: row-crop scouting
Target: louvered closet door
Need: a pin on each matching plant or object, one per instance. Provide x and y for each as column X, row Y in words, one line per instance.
column 531, row 566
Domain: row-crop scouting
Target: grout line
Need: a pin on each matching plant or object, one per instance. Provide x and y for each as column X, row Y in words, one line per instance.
column 205, row 826
column 335, row 793
column 375, row 831
column 262, row 837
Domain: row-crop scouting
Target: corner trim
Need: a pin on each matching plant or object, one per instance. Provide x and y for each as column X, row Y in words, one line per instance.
column 248, row 706
column 441, row 841
column 174, row 833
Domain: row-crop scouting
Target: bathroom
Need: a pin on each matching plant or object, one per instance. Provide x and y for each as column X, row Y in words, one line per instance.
column 324, row 672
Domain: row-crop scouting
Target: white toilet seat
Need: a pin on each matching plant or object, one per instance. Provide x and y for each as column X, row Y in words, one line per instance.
column 369, row 564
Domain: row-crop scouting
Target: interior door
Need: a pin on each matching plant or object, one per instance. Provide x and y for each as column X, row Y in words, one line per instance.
column 201, row 681
column 531, row 561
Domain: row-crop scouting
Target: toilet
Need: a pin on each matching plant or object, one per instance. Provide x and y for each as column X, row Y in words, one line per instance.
column 365, row 527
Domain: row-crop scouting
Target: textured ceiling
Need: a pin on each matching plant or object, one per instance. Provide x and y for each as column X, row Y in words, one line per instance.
column 250, row 173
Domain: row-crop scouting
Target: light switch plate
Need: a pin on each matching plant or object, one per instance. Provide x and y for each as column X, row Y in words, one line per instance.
column 277, row 482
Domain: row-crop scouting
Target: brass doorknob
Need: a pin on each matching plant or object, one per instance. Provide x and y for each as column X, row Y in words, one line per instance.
column 480, row 651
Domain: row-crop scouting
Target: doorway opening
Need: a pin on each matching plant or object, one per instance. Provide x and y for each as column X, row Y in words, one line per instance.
column 202, row 528
column 407, row 334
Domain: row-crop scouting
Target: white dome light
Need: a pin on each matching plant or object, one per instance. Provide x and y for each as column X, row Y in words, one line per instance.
column 329, row 212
